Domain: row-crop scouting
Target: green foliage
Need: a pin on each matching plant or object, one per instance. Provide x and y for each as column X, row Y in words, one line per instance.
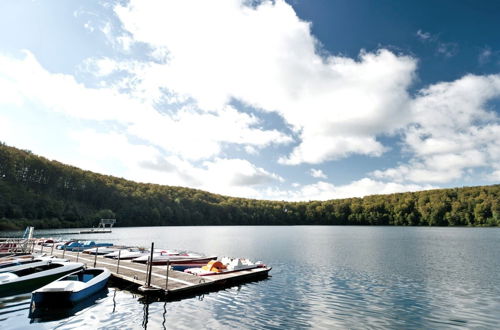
column 48, row 194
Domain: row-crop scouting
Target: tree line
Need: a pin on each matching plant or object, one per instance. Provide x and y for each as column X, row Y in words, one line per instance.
column 48, row 194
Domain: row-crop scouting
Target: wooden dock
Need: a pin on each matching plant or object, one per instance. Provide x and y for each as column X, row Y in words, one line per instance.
column 164, row 281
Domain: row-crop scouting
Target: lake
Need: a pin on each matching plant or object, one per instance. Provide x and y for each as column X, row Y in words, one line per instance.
column 322, row 277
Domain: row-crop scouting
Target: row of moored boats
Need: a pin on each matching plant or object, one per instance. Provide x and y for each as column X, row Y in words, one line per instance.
column 53, row 279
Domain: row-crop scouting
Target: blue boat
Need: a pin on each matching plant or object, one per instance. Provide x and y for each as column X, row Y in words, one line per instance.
column 72, row 288
column 80, row 246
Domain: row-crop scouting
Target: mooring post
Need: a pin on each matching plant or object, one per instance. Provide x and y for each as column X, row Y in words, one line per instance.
column 77, row 255
column 150, row 264
column 118, row 264
column 51, row 249
column 41, row 250
column 166, row 284
column 64, row 250
column 95, row 257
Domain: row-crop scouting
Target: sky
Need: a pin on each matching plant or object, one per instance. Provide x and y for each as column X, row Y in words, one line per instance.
column 280, row 100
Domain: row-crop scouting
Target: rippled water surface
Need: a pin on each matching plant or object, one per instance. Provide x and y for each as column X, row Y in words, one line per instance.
column 322, row 277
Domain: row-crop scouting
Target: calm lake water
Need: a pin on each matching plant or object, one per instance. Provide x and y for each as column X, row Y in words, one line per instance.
column 322, row 277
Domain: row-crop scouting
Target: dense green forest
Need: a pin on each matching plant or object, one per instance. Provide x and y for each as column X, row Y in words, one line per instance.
column 47, row 194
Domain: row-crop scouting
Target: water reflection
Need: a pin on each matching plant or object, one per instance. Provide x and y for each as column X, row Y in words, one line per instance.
column 322, row 277
column 54, row 313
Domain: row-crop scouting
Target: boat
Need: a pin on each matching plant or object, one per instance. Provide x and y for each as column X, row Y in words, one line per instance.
column 131, row 253
column 180, row 267
column 73, row 287
column 80, row 246
column 100, row 250
column 164, row 257
column 63, row 245
column 32, row 278
column 43, row 313
column 224, row 266
column 24, row 263
column 16, row 257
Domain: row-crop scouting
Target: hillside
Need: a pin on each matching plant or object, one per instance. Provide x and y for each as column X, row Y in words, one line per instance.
column 48, row 194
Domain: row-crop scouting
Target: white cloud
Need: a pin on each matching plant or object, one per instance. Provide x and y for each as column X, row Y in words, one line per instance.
column 424, row 36
column 100, row 152
column 317, row 173
column 234, row 177
column 190, row 133
column 447, row 49
column 5, row 129
column 485, row 56
column 325, row 191
column 452, row 130
column 266, row 57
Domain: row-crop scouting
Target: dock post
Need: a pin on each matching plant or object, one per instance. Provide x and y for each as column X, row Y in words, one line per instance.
column 118, row 264
column 41, row 251
column 166, row 284
column 52, row 249
column 95, row 257
column 77, row 255
column 150, row 264
column 64, row 251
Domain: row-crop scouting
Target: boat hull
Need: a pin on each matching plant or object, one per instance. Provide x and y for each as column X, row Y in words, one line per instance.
column 45, row 296
column 64, row 297
column 187, row 260
column 23, row 286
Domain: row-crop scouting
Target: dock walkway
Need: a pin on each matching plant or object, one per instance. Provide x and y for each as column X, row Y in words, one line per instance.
column 164, row 280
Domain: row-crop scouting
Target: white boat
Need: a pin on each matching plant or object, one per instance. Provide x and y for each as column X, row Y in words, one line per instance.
column 133, row 253
column 167, row 256
column 224, row 266
column 100, row 250
column 28, row 279
column 72, row 288
column 28, row 263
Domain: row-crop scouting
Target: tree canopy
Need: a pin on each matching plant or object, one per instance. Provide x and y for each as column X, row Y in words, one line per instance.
column 48, row 194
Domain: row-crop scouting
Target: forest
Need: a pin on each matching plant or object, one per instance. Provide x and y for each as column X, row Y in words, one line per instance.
column 47, row 194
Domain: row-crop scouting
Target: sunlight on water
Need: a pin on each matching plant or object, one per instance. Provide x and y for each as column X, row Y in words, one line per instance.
column 322, row 277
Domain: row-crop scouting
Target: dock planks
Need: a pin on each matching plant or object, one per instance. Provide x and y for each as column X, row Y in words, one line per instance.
column 178, row 283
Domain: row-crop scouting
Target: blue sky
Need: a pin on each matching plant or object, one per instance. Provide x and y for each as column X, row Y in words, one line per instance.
column 296, row 100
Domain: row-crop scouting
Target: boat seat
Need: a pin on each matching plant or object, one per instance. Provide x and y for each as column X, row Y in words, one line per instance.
column 72, row 278
column 87, row 277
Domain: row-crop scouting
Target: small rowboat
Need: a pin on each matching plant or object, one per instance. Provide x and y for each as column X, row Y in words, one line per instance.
column 72, row 288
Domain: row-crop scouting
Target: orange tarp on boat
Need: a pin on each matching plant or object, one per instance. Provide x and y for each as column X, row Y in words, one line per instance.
column 214, row 266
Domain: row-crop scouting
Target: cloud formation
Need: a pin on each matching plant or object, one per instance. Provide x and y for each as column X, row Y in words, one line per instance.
column 452, row 130
column 194, row 103
column 266, row 57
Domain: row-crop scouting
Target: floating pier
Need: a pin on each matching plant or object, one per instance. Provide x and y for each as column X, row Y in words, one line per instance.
column 101, row 228
column 159, row 280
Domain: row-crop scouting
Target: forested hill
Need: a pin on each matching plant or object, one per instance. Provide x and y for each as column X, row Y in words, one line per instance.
column 47, row 194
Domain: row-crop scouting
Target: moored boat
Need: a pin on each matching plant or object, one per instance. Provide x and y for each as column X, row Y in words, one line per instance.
column 31, row 278
column 24, row 263
column 224, row 266
column 80, row 246
column 163, row 258
column 100, row 250
column 73, row 287
column 132, row 253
